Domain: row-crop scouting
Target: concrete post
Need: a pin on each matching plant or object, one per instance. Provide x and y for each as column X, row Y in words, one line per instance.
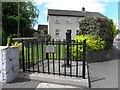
column 9, row 63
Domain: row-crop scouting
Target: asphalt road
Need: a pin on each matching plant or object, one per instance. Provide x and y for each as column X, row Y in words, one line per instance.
column 105, row 74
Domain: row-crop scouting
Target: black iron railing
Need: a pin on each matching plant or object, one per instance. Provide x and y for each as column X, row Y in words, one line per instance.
column 58, row 60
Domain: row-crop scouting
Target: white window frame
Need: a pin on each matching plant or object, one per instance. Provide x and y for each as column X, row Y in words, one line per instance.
column 69, row 20
column 78, row 19
column 57, row 32
column 77, row 32
column 57, row 20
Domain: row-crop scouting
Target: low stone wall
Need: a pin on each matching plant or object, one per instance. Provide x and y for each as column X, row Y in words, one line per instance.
column 98, row 56
column 9, row 63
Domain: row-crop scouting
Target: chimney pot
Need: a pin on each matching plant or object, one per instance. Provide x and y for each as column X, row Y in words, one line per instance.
column 83, row 9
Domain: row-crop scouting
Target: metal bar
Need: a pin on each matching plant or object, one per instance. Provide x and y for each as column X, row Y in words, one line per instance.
column 42, row 57
column 64, row 57
column 23, row 60
column 50, row 53
column 67, row 53
column 47, row 57
column 70, row 59
column 37, row 56
column 89, row 82
column 32, row 57
column 56, row 49
column 28, row 57
column 84, row 57
column 59, row 55
column 53, row 60
column 77, row 59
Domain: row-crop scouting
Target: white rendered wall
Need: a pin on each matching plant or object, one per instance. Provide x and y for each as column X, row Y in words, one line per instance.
column 9, row 63
column 63, row 26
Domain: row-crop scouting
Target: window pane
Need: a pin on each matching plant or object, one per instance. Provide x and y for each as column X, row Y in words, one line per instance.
column 77, row 32
column 57, row 20
column 78, row 19
column 57, row 32
column 69, row 20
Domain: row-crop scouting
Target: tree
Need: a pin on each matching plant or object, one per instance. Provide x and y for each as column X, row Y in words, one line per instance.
column 118, row 31
column 102, row 27
column 27, row 17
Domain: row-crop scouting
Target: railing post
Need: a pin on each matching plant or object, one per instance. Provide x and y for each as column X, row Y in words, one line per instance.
column 23, row 58
column 84, row 59
column 68, row 41
column 47, row 55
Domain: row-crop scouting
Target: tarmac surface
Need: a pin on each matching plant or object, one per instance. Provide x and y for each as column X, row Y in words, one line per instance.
column 105, row 74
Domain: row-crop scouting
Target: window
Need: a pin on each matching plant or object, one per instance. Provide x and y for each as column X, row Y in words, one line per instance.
column 57, row 20
column 57, row 32
column 77, row 32
column 78, row 19
column 68, row 20
column 69, row 31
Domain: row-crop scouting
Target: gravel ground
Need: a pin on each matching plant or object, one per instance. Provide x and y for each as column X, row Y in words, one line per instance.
column 62, row 69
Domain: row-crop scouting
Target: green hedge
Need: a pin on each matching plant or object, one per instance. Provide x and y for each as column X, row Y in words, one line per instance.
column 92, row 44
column 100, row 27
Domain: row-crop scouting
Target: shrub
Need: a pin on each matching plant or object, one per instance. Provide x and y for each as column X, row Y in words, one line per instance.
column 92, row 44
column 9, row 41
column 4, row 38
column 19, row 45
column 100, row 27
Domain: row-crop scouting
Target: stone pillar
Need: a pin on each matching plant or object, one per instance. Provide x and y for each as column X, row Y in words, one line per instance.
column 9, row 63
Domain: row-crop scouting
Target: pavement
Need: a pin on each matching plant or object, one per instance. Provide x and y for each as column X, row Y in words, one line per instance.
column 21, row 83
column 31, row 84
column 50, row 85
column 105, row 74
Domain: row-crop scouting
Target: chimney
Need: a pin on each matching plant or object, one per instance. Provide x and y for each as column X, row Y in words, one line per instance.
column 83, row 9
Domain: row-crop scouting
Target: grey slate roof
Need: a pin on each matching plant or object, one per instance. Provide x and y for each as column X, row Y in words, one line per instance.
column 73, row 13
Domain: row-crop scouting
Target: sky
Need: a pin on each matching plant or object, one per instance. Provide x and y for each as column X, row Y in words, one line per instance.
column 108, row 8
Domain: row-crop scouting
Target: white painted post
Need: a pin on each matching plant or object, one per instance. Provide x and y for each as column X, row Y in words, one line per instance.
column 9, row 63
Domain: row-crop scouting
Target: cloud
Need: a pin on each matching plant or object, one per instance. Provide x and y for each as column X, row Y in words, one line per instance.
column 90, row 5
column 109, row 0
column 45, row 12
column 36, row 27
column 39, row 2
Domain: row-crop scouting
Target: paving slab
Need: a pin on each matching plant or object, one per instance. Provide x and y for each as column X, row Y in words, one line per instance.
column 20, row 83
column 50, row 85
column 56, row 79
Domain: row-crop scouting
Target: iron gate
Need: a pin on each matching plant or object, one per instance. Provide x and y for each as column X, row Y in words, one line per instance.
column 54, row 57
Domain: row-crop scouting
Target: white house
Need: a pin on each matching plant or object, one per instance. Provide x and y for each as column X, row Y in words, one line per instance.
column 119, row 24
column 59, row 21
